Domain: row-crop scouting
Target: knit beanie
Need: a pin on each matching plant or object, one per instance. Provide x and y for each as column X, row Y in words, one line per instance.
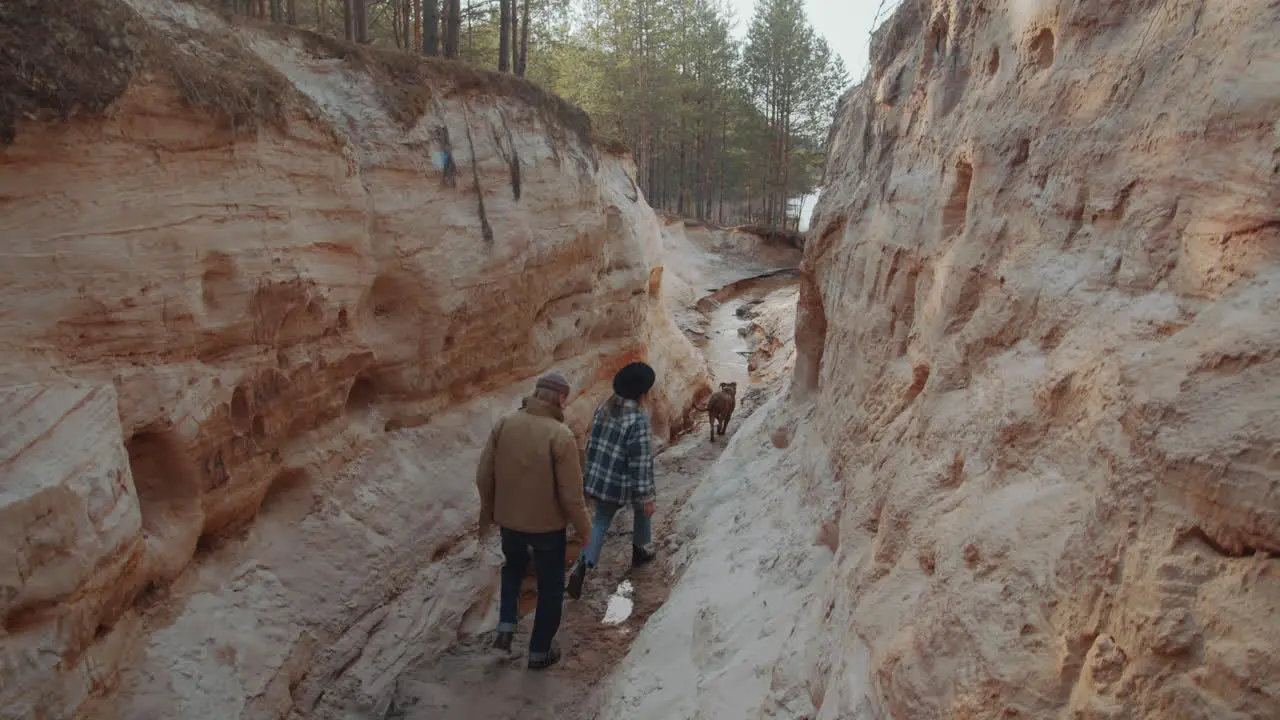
column 634, row 380
column 554, row 382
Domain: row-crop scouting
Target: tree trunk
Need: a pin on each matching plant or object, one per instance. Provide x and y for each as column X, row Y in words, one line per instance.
column 681, row 187
column 470, row 15
column 349, row 20
column 395, row 24
column 513, row 36
column 524, row 40
column 291, row 12
column 430, row 27
column 724, row 159
column 504, row 35
column 453, row 27
column 407, row 14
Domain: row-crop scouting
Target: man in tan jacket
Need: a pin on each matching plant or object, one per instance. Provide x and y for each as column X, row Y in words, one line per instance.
column 530, row 482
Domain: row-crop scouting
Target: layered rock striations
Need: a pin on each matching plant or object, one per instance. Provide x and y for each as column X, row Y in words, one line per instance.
column 264, row 294
column 1041, row 321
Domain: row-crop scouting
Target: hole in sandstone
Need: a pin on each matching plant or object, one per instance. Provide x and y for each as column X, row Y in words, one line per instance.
column 218, row 283
column 259, row 426
column 892, row 91
column 1224, row 546
column 936, row 46
column 919, row 378
column 993, row 60
column 1021, row 151
column 1042, row 49
column 21, row 619
column 150, row 594
column 955, row 212
column 342, row 319
column 392, row 296
column 928, row 561
column 169, row 490
column 289, row 497
column 362, row 395
column 448, row 341
column 240, row 409
column 209, row 543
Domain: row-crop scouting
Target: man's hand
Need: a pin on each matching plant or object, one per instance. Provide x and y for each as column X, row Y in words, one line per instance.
column 484, row 530
column 650, row 507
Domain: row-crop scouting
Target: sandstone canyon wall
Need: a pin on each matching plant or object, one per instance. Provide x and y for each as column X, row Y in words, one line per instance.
column 1043, row 319
column 264, row 296
column 1031, row 463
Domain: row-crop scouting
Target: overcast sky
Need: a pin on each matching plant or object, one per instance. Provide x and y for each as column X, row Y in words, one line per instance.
column 846, row 24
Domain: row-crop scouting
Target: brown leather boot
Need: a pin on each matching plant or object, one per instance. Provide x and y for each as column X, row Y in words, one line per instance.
column 640, row 556
column 576, row 577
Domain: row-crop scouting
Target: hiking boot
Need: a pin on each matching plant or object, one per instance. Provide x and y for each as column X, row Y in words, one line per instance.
column 503, row 641
column 547, row 659
column 640, row 556
column 576, row 577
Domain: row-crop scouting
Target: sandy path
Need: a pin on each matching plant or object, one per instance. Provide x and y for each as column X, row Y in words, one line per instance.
column 473, row 681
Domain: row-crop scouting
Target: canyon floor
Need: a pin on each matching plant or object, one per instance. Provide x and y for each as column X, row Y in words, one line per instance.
column 473, row 680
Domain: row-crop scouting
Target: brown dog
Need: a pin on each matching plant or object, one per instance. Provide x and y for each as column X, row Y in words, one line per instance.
column 720, row 407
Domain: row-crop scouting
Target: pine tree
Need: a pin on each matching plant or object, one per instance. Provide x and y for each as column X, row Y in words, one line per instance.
column 524, row 40
column 453, row 27
column 721, row 130
column 504, row 36
column 430, row 27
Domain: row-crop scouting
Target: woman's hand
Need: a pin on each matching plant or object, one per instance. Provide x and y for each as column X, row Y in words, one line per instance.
column 650, row 507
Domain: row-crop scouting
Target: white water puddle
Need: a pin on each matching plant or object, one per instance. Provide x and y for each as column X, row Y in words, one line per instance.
column 620, row 604
column 726, row 348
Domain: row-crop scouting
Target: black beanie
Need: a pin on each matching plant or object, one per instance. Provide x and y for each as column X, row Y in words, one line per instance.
column 634, row 380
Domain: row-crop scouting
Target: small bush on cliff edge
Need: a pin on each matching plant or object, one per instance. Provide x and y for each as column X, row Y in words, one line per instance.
column 59, row 59
column 216, row 74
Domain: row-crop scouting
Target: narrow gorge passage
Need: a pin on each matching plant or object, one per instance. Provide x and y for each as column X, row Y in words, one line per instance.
column 747, row 321
column 472, row 680
column 269, row 285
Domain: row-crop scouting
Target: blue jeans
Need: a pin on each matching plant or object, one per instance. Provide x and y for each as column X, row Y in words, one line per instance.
column 641, row 532
column 548, row 558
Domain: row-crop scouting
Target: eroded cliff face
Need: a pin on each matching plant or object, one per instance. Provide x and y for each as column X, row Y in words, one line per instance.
column 1041, row 329
column 248, row 362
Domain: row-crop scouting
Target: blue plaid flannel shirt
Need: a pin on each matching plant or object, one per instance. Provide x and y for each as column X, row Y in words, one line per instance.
column 620, row 454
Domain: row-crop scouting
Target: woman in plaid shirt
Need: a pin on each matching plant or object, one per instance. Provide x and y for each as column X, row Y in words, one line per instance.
column 620, row 469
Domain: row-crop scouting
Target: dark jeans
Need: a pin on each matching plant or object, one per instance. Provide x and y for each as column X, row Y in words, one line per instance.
column 548, row 559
